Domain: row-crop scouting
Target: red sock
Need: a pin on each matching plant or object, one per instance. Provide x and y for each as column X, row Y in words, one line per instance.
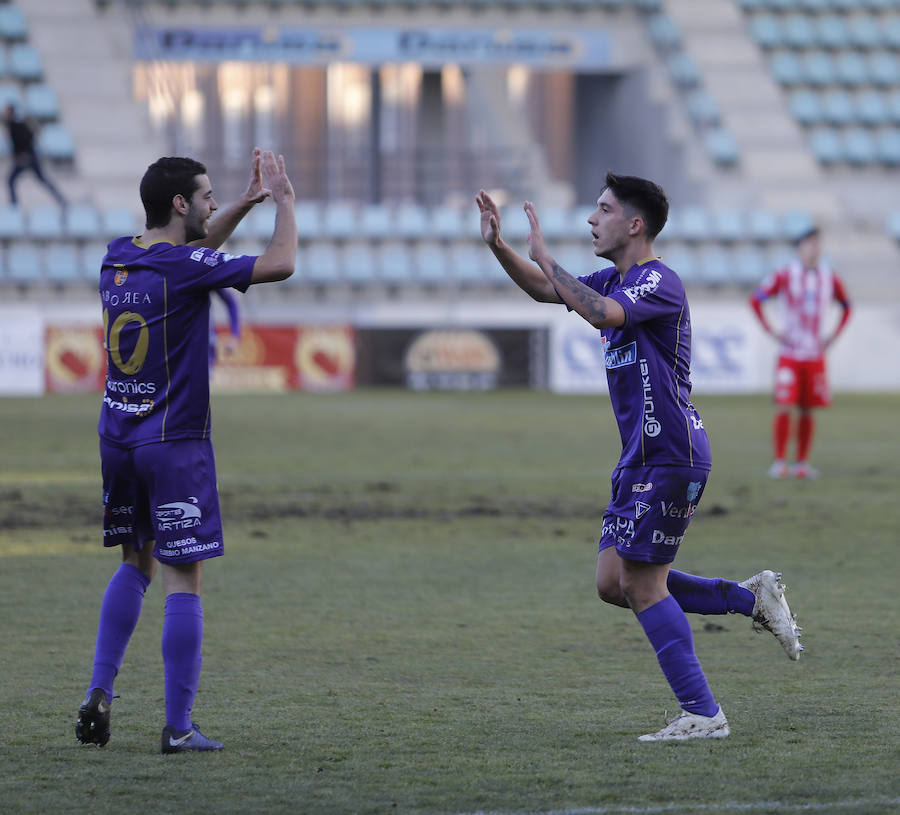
column 781, row 430
column 805, row 435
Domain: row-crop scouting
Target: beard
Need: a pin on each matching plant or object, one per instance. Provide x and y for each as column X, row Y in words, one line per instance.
column 194, row 228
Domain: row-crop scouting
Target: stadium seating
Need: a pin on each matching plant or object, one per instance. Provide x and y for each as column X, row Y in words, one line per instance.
column 24, row 264
column 62, row 264
column 44, row 223
column 13, row 27
column 12, row 222
column 837, row 61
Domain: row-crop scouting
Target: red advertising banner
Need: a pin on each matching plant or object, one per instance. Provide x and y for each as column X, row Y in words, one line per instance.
column 278, row 358
column 266, row 358
column 75, row 361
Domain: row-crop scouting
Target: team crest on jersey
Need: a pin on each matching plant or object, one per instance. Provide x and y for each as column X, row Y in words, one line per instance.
column 121, row 275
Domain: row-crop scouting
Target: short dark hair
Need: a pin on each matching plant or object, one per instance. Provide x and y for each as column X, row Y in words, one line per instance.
column 163, row 180
column 806, row 232
column 642, row 196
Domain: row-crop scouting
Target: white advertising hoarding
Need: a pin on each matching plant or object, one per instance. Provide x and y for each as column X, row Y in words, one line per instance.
column 21, row 352
column 732, row 354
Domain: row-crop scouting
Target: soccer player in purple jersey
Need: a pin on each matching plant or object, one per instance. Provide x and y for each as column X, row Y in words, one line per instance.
column 639, row 305
column 160, row 499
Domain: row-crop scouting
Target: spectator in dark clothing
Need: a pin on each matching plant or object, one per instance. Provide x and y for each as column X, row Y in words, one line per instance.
column 24, row 156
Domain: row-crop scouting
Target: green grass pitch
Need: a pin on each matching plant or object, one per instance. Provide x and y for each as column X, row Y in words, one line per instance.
column 405, row 619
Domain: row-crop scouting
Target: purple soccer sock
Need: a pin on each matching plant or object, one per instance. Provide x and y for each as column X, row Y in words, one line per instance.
column 706, row 595
column 670, row 635
column 182, row 642
column 119, row 613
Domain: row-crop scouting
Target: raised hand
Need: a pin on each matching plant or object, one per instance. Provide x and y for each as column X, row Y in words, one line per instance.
column 536, row 247
column 275, row 177
column 256, row 191
column 490, row 218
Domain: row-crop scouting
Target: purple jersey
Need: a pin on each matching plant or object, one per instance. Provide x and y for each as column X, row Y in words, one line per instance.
column 156, row 323
column 648, row 367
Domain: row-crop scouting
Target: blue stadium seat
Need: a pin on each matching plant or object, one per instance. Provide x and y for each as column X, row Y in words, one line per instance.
column 813, row 6
column 23, row 263
column 818, row 69
column 116, row 222
column 722, row 147
column 320, row 262
column 872, row 109
column 410, row 221
column 41, row 103
column 430, row 261
column 749, row 265
column 826, row 145
column 11, row 94
column 892, row 225
column 884, row 68
column 62, row 263
column 715, row 266
column 91, row 257
column 339, row 220
column 683, row 70
column 859, row 147
column 766, row 31
column 470, row 262
column 851, row 69
column 864, row 32
column 359, row 262
column 728, row 225
column 831, row 33
column 892, row 101
column 308, row 216
column 556, row 223
column 702, row 108
column 13, row 27
column 664, row 32
column 838, row 107
column 891, row 32
column 376, row 221
column 12, row 222
column 763, row 225
column 887, row 147
column 670, row 232
column 82, row 222
column 694, row 223
column 445, row 223
column 577, row 258
column 25, row 63
column 683, row 261
column 798, row 31
column 56, row 142
column 514, row 223
column 806, row 107
column 44, row 223
column 395, row 262
column 788, row 69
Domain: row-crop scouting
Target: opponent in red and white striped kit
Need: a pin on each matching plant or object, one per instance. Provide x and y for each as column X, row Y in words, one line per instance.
column 805, row 290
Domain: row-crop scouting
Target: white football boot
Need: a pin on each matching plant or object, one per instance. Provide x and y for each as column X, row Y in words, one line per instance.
column 691, row 726
column 772, row 613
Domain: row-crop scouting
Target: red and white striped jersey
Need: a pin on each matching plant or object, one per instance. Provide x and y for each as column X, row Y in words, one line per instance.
column 804, row 299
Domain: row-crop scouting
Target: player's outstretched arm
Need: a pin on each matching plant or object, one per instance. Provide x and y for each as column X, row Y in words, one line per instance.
column 277, row 262
column 599, row 311
column 226, row 219
column 523, row 273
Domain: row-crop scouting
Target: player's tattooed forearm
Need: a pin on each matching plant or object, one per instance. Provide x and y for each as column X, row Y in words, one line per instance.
column 582, row 298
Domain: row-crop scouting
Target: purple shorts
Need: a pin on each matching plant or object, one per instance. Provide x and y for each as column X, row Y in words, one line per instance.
column 166, row 493
column 650, row 510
